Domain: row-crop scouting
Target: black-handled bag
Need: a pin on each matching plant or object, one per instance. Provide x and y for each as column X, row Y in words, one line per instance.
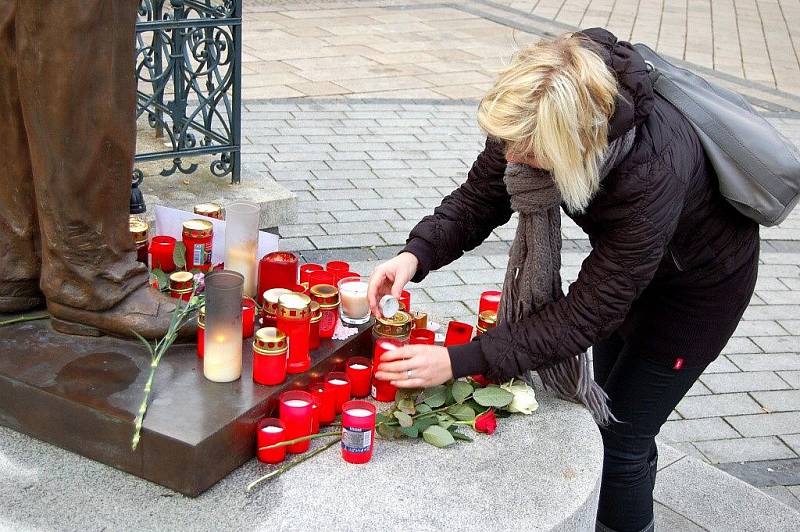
column 758, row 168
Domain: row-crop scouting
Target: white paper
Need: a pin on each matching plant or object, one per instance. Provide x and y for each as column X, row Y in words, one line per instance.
column 169, row 222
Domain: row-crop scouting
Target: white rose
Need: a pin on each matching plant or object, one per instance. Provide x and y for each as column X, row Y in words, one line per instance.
column 524, row 400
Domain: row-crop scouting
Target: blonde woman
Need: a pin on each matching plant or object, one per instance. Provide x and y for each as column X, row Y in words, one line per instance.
column 672, row 266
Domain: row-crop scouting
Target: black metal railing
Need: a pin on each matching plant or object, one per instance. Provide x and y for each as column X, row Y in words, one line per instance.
column 188, row 72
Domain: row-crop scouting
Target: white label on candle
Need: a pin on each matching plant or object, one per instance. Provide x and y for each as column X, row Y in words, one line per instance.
column 271, row 428
column 356, row 440
column 296, row 403
column 358, row 366
column 338, row 382
column 359, row 412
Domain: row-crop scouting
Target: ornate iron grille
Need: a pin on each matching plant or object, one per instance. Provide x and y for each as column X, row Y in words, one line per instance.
column 188, row 72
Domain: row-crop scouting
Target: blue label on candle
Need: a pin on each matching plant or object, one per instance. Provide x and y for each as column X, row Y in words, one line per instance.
column 356, row 440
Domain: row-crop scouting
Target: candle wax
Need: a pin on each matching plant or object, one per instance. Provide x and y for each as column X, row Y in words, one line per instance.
column 242, row 259
column 270, row 428
column 296, row 403
column 354, row 299
column 337, row 381
column 359, row 412
column 358, row 366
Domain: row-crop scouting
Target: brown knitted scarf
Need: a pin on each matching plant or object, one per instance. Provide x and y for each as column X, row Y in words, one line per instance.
column 533, row 277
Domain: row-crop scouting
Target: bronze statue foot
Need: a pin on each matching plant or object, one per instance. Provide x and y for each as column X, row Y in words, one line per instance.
column 145, row 311
column 19, row 296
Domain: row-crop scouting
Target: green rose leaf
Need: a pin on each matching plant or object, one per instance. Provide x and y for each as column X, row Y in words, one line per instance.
column 426, row 422
column 461, row 412
column 407, row 406
column 179, row 255
column 422, row 408
column 438, row 437
column 493, row 396
column 445, row 421
column 404, row 419
column 411, row 432
column 459, row 436
column 389, row 432
column 436, row 396
column 381, row 418
column 461, row 390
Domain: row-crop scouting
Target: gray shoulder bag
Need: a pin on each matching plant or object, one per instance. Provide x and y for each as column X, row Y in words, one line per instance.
column 758, row 168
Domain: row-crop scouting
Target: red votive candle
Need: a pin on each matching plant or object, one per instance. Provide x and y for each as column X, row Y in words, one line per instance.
column 162, row 252
column 490, row 300
column 359, row 373
column 422, row 336
column 344, row 275
column 457, row 333
column 201, row 332
column 358, row 431
column 337, row 266
column 316, row 317
column 181, row 285
column 326, row 407
column 270, row 347
column 269, row 307
column 306, row 269
column 338, row 385
column 315, row 415
column 276, row 270
column 299, row 288
column 405, row 300
column 198, row 238
column 296, row 413
column 270, row 431
column 248, row 317
column 321, row 277
column 294, row 319
column 328, row 298
column 383, row 391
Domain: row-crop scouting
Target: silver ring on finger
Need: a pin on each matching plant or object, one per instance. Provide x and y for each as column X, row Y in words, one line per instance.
column 409, row 374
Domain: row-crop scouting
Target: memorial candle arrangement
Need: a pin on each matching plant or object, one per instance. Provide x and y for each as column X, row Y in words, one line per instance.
column 294, row 319
column 353, row 304
column 162, row 253
column 270, row 431
column 277, row 270
column 359, row 373
column 337, row 384
column 295, row 412
column 270, row 348
column 241, row 242
column 198, row 236
column 358, row 431
column 222, row 360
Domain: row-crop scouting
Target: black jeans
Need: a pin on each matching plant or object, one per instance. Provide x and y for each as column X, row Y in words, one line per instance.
column 643, row 393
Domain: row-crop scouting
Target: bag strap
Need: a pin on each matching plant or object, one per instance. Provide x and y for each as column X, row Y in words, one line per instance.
column 747, row 161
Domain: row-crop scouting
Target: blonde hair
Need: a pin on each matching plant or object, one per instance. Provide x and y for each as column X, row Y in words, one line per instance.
column 553, row 102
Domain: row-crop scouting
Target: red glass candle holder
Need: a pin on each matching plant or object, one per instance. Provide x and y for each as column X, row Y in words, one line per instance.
column 294, row 319
column 296, row 413
column 299, row 288
column 198, row 238
column 458, row 333
column 181, row 285
column 359, row 372
column 162, row 253
column 276, row 270
column 316, row 318
column 269, row 307
column 270, row 431
column 344, row 275
column 486, row 320
column 328, row 298
column 201, row 332
column 405, row 300
column 358, row 431
column 248, row 317
column 306, row 269
column 338, row 385
column 326, row 407
column 337, row 266
column 321, row 277
column 490, row 300
column 315, row 415
column 383, row 391
column 422, row 336
column 270, row 348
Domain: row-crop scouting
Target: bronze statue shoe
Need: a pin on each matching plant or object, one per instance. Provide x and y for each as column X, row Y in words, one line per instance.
column 19, row 296
column 145, row 311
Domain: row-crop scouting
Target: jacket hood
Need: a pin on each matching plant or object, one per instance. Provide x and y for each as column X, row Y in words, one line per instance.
column 635, row 99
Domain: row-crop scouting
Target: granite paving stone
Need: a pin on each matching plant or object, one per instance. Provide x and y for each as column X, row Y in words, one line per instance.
column 791, row 377
column 745, row 449
column 793, row 441
column 743, row 381
column 683, row 430
column 717, row 405
column 766, row 424
column 766, row 361
column 778, row 401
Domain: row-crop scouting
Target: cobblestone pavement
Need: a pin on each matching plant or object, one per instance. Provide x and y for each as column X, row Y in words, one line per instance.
column 394, row 131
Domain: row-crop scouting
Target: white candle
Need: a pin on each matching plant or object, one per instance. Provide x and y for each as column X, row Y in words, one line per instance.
column 359, row 412
column 271, row 428
column 223, row 357
column 353, row 297
column 242, row 258
column 338, row 382
column 296, row 403
column 358, row 366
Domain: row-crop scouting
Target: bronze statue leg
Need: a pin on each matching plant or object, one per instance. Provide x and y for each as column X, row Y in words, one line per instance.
column 19, row 255
column 77, row 92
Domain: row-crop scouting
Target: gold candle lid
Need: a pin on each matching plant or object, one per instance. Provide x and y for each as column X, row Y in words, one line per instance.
column 212, row 210
column 138, row 229
column 487, row 319
column 397, row 326
column 326, row 295
column 270, row 341
column 316, row 311
column 294, row 305
column 198, row 228
column 271, row 300
column 181, row 282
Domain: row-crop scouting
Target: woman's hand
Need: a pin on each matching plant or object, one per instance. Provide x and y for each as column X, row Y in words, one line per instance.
column 390, row 278
column 415, row 366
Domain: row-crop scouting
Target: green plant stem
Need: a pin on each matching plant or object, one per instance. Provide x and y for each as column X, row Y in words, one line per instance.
column 283, row 469
column 21, row 319
column 301, row 439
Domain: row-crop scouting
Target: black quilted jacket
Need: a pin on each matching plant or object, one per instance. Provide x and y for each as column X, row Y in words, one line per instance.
column 672, row 266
